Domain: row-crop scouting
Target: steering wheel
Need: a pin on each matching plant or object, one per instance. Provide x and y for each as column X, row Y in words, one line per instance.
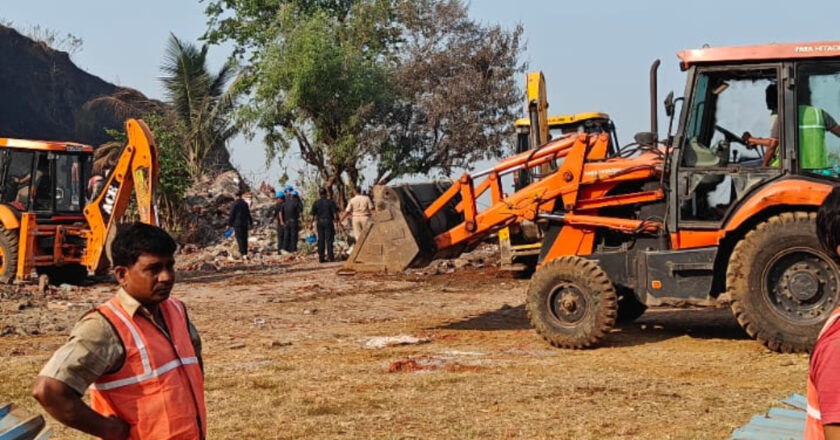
column 730, row 136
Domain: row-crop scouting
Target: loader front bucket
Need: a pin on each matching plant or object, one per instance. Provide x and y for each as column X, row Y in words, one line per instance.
column 398, row 235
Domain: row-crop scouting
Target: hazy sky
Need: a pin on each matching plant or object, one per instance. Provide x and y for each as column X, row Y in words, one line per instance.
column 595, row 55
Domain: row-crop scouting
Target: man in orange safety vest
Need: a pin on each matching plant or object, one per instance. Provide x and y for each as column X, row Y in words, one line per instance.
column 137, row 353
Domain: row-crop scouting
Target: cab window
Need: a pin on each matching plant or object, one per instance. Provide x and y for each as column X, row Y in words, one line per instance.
column 68, row 183
column 42, row 186
column 731, row 140
column 16, row 181
column 725, row 106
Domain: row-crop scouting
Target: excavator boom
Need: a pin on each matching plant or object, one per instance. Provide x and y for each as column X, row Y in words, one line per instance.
column 136, row 170
column 411, row 227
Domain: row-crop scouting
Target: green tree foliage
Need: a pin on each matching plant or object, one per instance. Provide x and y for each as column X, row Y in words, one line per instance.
column 403, row 86
column 458, row 92
column 202, row 103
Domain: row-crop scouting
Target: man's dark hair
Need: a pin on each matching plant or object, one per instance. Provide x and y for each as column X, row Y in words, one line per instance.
column 239, row 193
column 140, row 238
column 771, row 97
column 828, row 222
column 322, row 192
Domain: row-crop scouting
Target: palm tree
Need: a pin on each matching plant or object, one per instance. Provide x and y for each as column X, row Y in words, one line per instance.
column 202, row 102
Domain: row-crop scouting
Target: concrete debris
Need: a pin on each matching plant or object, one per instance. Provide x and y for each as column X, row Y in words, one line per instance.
column 391, row 341
column 486, row 254
column 278, row 344
column 236, row 346
column 208, row 250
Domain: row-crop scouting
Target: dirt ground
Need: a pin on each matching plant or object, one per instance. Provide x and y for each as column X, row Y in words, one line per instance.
column 287, row 356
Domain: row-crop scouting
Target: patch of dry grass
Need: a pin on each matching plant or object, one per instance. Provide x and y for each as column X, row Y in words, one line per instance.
column 692, row 376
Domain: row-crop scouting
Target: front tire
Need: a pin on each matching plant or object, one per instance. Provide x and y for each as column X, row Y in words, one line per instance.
column 8, row 255
column 782, row 284
column 571, row 302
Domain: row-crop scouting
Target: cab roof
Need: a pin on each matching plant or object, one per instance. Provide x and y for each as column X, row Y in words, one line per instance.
column 765, row 52
column 45, row 145
column 562, row 120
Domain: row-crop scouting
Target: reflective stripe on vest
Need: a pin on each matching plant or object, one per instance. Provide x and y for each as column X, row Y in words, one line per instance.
column 151, row 374
column 813, row 424
column 812, row 150
column 159, row 390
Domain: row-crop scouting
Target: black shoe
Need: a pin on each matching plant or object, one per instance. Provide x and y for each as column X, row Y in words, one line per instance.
column 321, row 260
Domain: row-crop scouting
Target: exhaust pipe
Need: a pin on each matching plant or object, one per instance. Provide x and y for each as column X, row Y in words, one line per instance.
column 654, row 119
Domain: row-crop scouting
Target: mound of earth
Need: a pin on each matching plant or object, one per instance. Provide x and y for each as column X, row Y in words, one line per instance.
column 47, row 97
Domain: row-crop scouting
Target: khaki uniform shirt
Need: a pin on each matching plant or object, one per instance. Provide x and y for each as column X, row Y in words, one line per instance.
column 95, row 349
column 360, row 206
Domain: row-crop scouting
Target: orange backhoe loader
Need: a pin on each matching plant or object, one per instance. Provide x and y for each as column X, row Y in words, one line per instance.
column 50, row 223
column 684, row 219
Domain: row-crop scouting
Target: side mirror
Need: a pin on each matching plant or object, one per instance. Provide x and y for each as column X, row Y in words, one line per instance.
column 669, row 104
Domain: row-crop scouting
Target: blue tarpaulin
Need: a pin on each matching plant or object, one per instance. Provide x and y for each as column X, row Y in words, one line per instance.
column 16, row 424
column 778, row 424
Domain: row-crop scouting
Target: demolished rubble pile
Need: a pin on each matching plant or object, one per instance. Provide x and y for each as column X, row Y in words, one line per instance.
column 207, row 249
column 485, row 255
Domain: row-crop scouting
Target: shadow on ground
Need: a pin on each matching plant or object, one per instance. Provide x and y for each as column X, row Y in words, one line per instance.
column 657, row 324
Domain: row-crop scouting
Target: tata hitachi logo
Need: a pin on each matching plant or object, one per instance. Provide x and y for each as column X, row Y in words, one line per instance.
column 817, row 49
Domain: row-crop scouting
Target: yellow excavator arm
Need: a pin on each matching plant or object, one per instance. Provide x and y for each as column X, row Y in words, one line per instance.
column 136, row 169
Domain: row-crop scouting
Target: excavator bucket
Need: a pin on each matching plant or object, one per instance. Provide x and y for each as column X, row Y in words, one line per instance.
column 399, row 236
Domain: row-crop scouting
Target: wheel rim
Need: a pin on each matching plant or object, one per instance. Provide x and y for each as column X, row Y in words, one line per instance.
column 800, row 285
column 567, row 304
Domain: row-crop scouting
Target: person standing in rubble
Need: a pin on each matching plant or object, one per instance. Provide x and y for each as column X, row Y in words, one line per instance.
column 291, row 220
column 240, row 221
column 324, row 214
column 360, row 208
column 277, row 217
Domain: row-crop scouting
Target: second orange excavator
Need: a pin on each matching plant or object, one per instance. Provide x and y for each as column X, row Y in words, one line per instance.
column 686, row 218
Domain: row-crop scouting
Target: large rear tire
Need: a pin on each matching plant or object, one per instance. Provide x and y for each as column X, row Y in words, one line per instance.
column 8, row 255
column 571, row 302
column 782, row 284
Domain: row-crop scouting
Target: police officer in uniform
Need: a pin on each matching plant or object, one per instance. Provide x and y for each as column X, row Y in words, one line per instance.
column 291, row 220
column 277, row 217
column 324, row 214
